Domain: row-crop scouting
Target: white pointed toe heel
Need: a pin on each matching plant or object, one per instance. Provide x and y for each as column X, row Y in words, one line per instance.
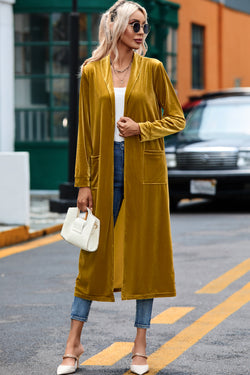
column 63, row 370
column 139, row 369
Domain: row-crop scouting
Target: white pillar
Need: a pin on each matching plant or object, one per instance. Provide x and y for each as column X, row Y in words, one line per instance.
column 14, row 188
column 7, row 118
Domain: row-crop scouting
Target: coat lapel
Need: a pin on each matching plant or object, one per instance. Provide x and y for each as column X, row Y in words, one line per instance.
column 134, row 75
column 107, row 75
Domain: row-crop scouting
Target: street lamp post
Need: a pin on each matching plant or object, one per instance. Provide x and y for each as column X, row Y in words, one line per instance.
column 68, row 193
column 73, row 97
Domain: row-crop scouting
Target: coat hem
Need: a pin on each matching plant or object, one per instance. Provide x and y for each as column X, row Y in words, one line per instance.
column 95, row 297
column 125, row 296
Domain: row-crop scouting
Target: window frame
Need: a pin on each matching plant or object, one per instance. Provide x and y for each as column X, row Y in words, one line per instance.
column 172, row 54
column 198, row 57
column 51, row 108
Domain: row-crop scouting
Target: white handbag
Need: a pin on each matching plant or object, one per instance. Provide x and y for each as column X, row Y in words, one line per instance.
column 81, row 232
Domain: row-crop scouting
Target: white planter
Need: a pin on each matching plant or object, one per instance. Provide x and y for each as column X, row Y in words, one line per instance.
column 14, row 188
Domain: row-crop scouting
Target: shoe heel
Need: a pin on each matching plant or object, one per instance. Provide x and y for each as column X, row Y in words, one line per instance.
column 78, row 359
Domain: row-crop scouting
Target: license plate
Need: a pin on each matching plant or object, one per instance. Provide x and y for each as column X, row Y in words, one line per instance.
column 207, row 187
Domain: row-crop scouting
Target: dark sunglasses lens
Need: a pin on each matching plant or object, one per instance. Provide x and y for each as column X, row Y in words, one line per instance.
column 136, row 27
column 146, row 28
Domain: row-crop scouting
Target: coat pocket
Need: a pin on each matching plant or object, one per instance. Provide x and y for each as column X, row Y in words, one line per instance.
column 155, row 167
column 94, row 171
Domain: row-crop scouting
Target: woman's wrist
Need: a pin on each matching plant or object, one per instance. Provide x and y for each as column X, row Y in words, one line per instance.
column 83, row 188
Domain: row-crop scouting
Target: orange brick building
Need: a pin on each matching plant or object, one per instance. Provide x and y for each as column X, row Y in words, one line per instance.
column 226, row 47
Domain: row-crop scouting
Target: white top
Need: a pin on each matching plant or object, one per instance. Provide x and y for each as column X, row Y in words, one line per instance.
column 119, row 109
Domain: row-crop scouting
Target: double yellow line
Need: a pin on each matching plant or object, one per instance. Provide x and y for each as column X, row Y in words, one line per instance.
column 189, row 336
column 226, row 279
column 185, row 339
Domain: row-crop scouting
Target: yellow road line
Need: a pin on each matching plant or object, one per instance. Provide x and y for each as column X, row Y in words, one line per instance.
column 110, row 355
column 189, row 336
column 171, row 315
column 226, row 279
column 30, row 245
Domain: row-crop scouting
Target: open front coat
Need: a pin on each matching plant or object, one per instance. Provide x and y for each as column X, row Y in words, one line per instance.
column 135, row 256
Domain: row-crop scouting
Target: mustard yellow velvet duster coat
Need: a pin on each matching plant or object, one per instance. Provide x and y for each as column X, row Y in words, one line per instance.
column 135, row 256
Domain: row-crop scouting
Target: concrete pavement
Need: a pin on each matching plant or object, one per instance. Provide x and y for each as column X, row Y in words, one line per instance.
column 42, row 221
column 208, row 335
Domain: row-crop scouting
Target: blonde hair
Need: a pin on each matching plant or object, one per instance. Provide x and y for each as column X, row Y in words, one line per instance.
column 112, row 25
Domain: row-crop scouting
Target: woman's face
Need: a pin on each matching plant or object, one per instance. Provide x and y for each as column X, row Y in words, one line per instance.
column 129, row 38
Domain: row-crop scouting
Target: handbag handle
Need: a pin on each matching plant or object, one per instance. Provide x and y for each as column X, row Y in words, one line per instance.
column 86, row 213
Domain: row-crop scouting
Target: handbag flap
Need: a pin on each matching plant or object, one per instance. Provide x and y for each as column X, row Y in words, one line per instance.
column 78, row 224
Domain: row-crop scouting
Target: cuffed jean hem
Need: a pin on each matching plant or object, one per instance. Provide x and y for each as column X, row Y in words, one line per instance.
column 143, row 313
column 79, row 318
column 138, row 325
column 80, row 309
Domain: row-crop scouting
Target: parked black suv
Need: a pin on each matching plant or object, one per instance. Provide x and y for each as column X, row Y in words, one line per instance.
column 210, row 158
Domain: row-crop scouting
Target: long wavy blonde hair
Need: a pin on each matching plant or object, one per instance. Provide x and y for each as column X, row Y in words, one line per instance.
column 112, row 25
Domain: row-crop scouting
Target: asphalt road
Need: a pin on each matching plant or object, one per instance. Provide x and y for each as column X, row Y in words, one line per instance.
column 36, row 289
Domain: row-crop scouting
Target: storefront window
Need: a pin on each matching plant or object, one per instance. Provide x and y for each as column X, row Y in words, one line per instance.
column 32, row 93
column 171, row 54
column 60, row 25
column 83, row 54
column 83, row 27
column 31, row 59
column 60, row 124
column 42, row 72
column 60, row 59
column 95, row 25
column 31, row 28
column 60, row 92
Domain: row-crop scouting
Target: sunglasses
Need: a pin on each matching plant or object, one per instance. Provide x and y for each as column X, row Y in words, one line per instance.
column 137, row 27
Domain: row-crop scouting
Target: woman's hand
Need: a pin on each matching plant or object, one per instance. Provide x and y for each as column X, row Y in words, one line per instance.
column 128, row 127
column 84, row 199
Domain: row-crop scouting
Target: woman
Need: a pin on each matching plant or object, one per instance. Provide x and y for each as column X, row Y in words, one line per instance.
column 121, row 168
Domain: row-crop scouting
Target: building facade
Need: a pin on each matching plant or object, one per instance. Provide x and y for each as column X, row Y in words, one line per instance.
column 213, row 46
column 204, row 45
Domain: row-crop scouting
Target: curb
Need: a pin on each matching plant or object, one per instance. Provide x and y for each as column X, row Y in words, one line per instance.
column 21, row 234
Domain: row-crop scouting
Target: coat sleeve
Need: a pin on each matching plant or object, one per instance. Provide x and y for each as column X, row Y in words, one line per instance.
column 173, row 119
column 84, row 144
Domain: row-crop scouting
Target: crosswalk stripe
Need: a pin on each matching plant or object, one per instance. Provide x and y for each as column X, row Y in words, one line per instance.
column 189, row 336
column 30, row 245
column 110, row 355
column 226, row 279
column 171, row 315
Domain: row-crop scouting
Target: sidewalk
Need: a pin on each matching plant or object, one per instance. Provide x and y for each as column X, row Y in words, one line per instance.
column 42, row 221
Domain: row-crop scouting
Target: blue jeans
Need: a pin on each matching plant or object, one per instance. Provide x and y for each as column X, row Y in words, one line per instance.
column 81, row 307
